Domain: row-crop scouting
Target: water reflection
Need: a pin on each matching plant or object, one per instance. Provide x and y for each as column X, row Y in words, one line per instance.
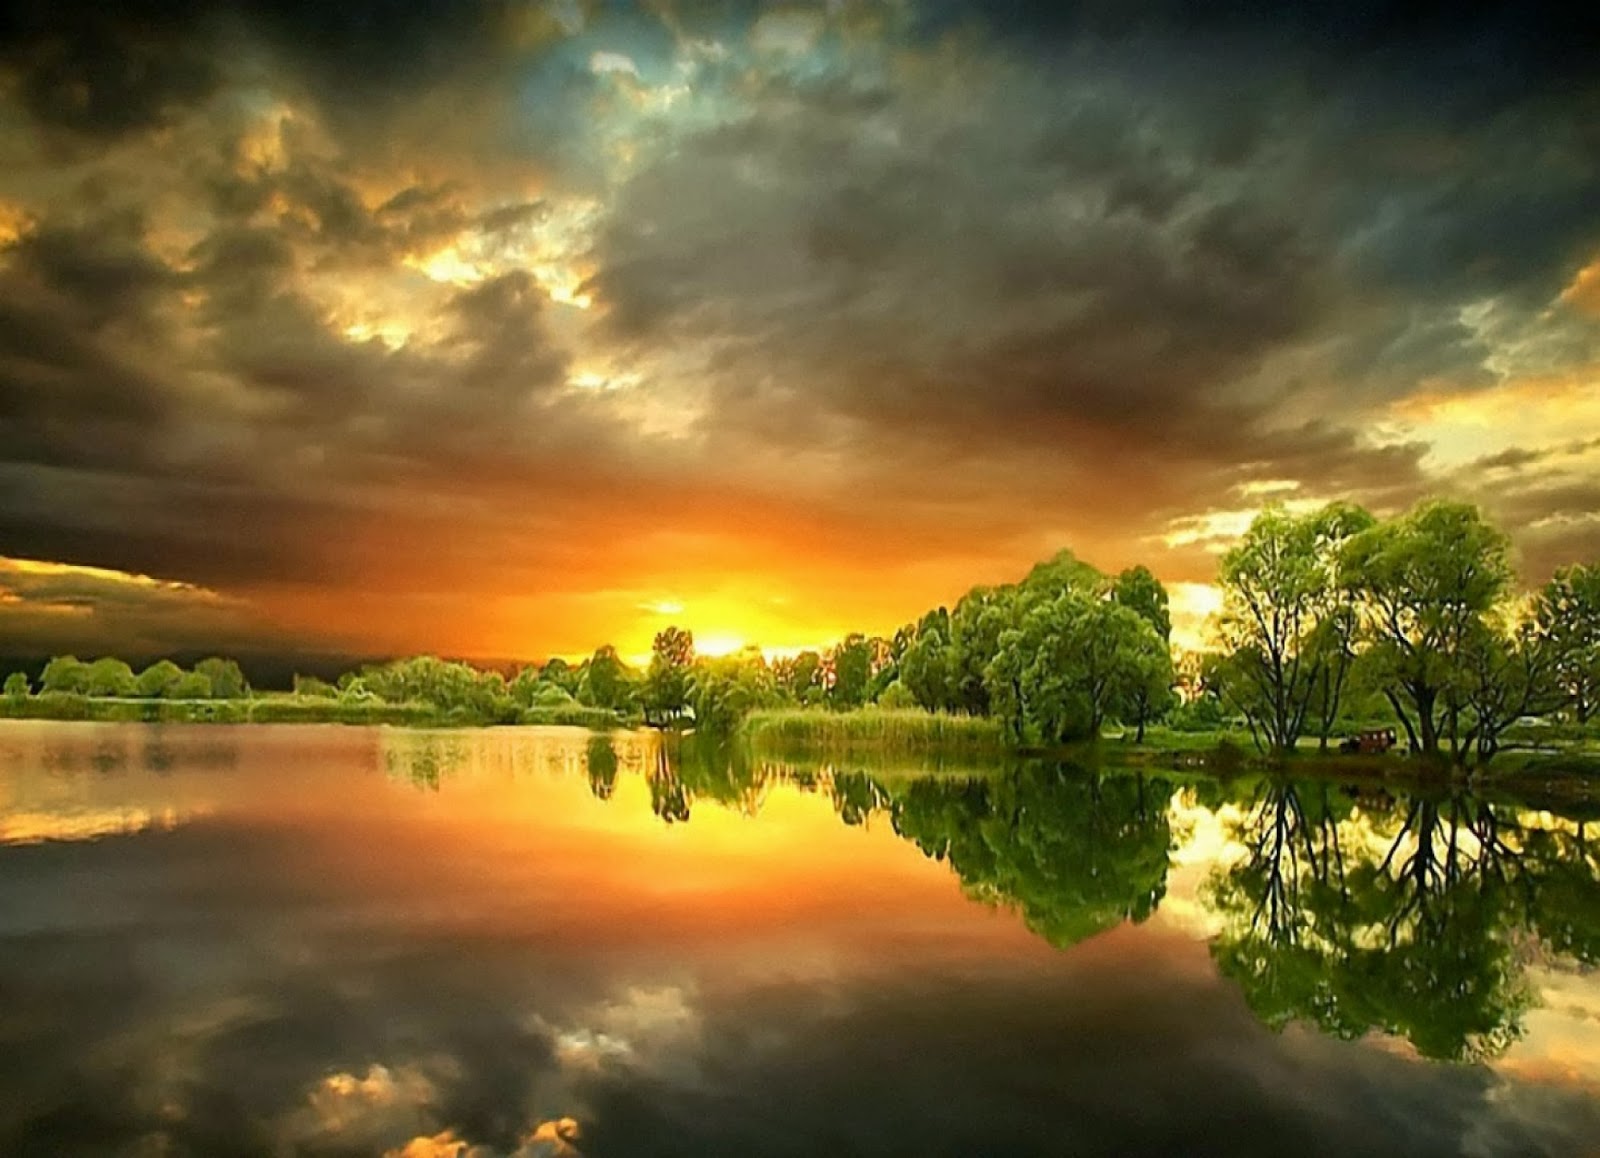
column 1353, row 910
column 336, row 941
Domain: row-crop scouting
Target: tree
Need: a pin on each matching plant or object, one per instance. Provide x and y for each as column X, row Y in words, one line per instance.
column 896, row 697
column 1142, row 593
column 1427, row 584
column 850, row 667
column 561, row 673
column 1506, row 672
column 310, row 685
column 666, row 683
column 193, row 686
column 65, row 673
column 1280, row 588
column 226, row 679
column 605, row 681
column 109, row 676
column 17, row 686
column 1074, row 660
column 800, row 678
column 723, row 689
column 1567, row 615
column 158, row 679
column 928, row 665
column 1146, row 693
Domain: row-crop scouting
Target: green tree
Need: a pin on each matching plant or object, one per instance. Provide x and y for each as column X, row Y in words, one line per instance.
column 1281, row 588
column 1075, row 660
column 606, row 682
column 109, row 676
column 850, row 670
column 1567, row 616
column 929, row 664
column 1428, row 582
column 17, row 686
column 310, row 685
column 158, row 679
column 1142, row 593
column 65, row 673
column 561, row 673
column 666, row 684
column 192, row 686
column 226, row 679
column 723, row 689
column 800, row 678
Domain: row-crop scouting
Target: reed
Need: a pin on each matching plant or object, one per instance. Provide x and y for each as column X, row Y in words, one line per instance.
column 871, row 729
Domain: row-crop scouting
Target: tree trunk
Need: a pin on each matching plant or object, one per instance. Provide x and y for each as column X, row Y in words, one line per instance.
column 1425, row 698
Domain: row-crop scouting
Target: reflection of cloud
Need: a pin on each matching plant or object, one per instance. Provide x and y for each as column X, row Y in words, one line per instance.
column 354, row 1109
column 445, row 1145
column 653, row 1029
column 37, row 827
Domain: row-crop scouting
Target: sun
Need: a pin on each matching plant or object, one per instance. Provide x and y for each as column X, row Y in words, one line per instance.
column 717, row 643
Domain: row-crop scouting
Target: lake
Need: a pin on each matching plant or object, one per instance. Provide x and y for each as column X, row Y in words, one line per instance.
column 341, row 941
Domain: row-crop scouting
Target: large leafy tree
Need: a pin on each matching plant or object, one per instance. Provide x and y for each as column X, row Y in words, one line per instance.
column 1428, row 583
column 159, row 679
column 851, row 667
column 110, row 677
column 1281, row 593
column 606, row 682
column 666, row 684
column 1567, row 615
column 724, row 688
column 227, row 680
column 65, row 673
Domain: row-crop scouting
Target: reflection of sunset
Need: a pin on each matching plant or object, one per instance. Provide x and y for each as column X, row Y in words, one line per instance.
column 497, row 853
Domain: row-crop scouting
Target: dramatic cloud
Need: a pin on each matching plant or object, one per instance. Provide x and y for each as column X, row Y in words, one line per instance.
column 481, row 327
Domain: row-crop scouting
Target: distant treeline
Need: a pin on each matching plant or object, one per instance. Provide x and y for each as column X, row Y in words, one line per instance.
column 1332, row 620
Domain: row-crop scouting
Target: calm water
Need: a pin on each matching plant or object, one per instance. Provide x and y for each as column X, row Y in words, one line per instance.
column 533, row 941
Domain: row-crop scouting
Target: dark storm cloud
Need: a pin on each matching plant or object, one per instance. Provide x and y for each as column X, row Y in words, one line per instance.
column 1103, row 266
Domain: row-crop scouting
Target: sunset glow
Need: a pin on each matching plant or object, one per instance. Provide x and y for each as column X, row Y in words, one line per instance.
column 478, row 334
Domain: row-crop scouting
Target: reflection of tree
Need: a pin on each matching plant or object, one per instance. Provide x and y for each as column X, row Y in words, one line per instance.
column 600, row 759
column 669, row 798
column 1562, row 864
column 1408, row 935
column 1076, row 854
column 425, row 760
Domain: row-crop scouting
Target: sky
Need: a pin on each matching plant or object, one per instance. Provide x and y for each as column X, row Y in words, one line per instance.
column 508, row 329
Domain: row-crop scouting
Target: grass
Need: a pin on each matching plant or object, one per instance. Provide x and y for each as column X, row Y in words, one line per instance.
column 870, row 730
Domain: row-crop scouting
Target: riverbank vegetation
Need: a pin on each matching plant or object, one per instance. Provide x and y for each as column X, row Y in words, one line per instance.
column 1333, row 622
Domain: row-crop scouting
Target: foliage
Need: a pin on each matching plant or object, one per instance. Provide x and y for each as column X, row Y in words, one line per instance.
column 1566, row 616
column 17, row 686
column 1076, row 854
column 725, row 689
column 65, row 673
column 1285, row 625
column 604, row 681
column 159, row 679
column 1428, row 583
column 665, row 695
column 225, row 677
column 310, row 685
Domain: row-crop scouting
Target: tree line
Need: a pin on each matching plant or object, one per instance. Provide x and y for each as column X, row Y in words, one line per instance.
column 1329, row 617
column 213, row 678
